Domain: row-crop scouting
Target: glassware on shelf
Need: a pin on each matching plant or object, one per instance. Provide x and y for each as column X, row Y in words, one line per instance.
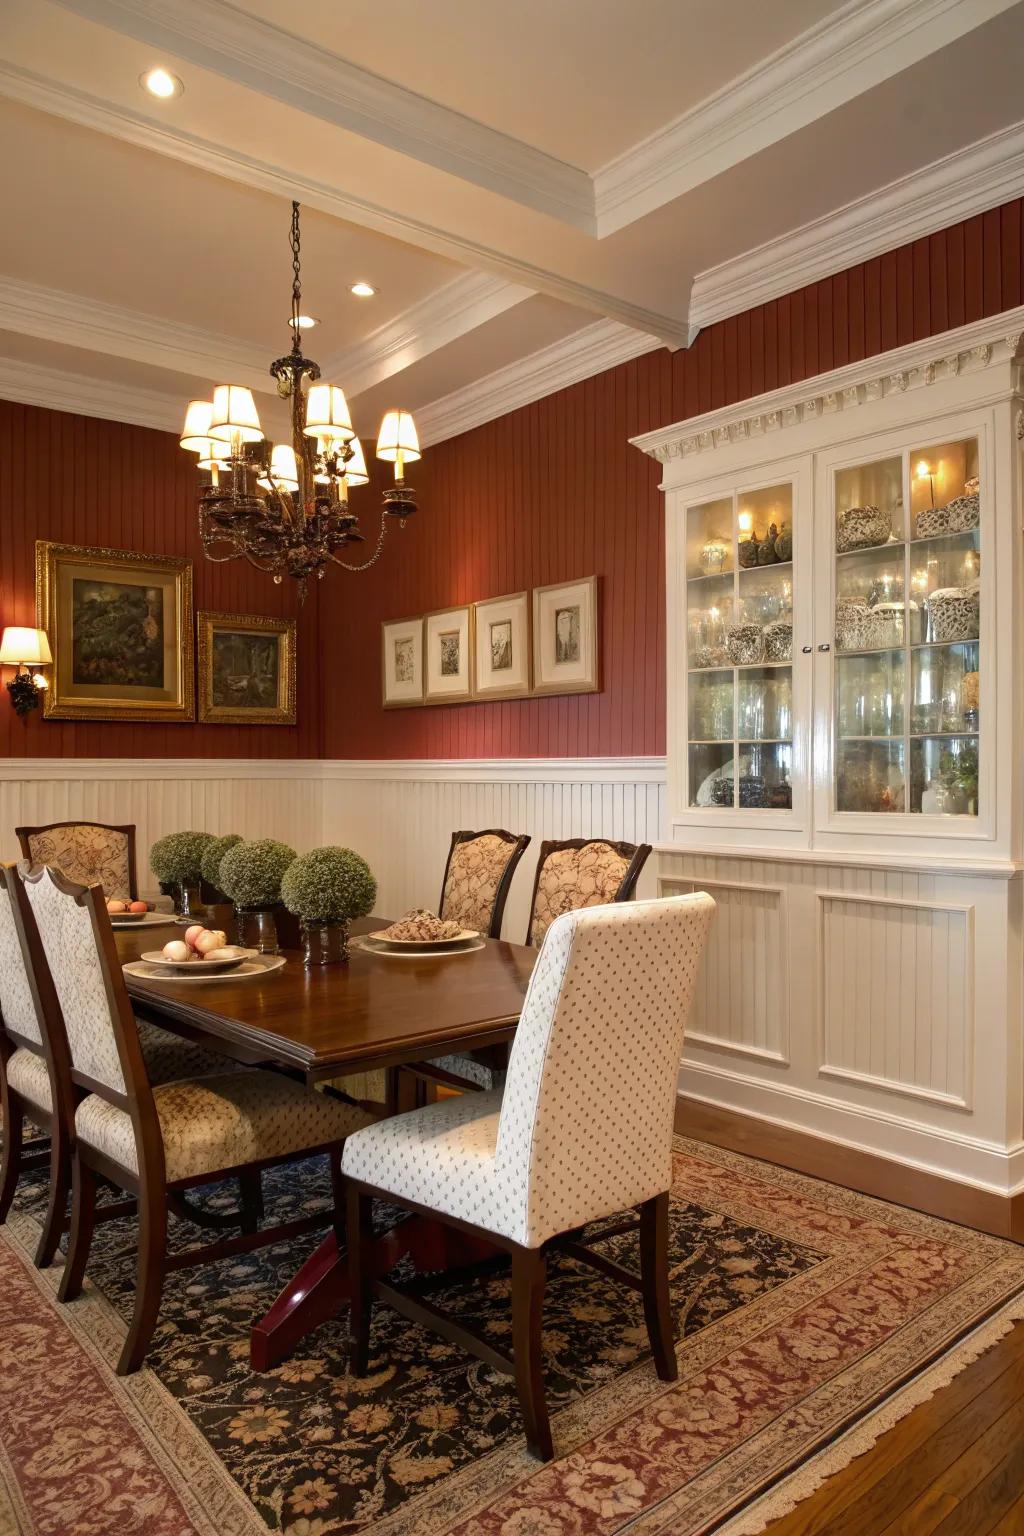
column 870, row 776
column 713, row 557
column 711, row 707
column 870, row 695
column 944, row 776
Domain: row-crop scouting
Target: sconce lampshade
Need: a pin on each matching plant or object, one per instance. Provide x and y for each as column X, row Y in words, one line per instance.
column 398, row 436
column 196, row 431
column 234, row 415
column 327, row 415
column 283, row 468
column 355, row 467
column 21, row 646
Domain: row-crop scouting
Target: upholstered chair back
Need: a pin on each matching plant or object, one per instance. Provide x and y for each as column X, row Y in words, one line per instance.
column 89, row 852
column 476, row 881
column 582, row 873
column 67, row 932
column 587, row 1115
column 17, row 1007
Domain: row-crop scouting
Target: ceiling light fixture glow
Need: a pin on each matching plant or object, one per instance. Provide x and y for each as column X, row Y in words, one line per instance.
column 305, row 322
column 363, row 290
column 161, row 83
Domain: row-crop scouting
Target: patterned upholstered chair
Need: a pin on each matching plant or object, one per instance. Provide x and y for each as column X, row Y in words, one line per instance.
column 582, row 1133
column 87, row 851
column 158, row 1142
column 36, row 1074
column 582, row 872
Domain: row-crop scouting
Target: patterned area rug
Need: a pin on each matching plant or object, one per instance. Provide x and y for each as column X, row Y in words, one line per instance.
column 804, row 1311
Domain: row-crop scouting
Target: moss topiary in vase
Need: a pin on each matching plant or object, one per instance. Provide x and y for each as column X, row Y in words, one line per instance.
column 215, row 850
column 177, row 862
column 327, row 888
column 250, row 876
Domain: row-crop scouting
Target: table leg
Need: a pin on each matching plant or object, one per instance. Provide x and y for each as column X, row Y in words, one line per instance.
column 320, row 1287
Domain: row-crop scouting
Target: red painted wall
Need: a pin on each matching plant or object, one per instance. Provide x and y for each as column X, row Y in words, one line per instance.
column 84, row 481
column 553, row 491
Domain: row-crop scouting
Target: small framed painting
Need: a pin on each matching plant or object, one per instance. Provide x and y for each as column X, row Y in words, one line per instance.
column 502, row 644
column 120, row 629
column 448, row 656
column 565, row 648
column 402, row 662
column 246, row 669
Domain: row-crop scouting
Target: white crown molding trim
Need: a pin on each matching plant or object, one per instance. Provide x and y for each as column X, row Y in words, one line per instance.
column 965, row 183
column 493, row 770
column 453, row 311
column 839, row 58
column 76, row 106
column 82, row 395
column 256, row 53
column 51, row 314
column 969, row 348
column 586, row 352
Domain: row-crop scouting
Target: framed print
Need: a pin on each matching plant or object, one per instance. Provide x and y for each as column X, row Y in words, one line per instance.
column 565, row 648
column 120, row 629
column 246, row 669
column 402, row 662
column 448, row 656
column 501, row 627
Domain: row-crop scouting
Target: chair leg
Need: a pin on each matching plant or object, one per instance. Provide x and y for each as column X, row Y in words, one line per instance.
column 360, row 1233
column 529, row 1272
column 83, row 1221
column 56, row 1217
column 250, row 1189
column 654, row 1274
column 338, row 1192
column 150, row 1285
column 14, row 1119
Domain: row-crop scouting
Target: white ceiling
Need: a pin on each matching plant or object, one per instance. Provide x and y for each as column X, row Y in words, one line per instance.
column 533, row 189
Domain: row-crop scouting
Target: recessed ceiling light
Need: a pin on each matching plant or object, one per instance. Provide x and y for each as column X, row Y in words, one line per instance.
column 363, row 290
column 160, row 82
column 305, row 322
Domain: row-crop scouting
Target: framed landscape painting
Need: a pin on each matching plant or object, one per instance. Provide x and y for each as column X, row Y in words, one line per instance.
column 402, row 662
column 246, row 669
column 120, row 629
column 565, row 648
column 448, row 655
column 502, row 643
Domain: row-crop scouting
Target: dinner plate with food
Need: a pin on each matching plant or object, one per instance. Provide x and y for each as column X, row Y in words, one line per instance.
column 203, row 951
column 124, row 913
column 422, row 932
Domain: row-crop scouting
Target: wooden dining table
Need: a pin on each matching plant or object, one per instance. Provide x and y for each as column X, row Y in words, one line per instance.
column 324, row 1022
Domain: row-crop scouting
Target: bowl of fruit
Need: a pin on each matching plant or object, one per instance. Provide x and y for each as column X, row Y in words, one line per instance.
column 125, row 911
column 202, row 949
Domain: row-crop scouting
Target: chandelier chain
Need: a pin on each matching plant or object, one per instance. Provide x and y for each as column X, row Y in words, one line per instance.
column 365, row 566
column 295, row 243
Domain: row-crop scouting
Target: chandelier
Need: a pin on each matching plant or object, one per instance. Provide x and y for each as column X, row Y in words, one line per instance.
column 284, row 507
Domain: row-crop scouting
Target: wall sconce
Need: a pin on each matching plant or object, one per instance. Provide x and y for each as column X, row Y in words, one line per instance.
column 25, row 648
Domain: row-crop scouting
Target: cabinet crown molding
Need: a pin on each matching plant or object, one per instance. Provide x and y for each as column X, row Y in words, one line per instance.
column 968, row 349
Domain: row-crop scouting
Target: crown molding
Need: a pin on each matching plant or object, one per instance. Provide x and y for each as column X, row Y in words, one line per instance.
column 133, row 127
column 584, row 353
column 839, row 58
column 439, row 319
column 82, row 395
column 960, row 185
column 253, row 52
column 968, row 349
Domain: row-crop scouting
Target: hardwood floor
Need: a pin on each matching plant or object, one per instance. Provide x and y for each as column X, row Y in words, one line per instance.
column 953, row 1467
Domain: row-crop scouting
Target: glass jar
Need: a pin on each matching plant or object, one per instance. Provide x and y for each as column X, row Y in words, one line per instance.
column 257, row 929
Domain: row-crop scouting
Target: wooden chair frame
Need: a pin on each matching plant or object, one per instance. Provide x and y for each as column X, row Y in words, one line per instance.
column 154, row 1195
column 636, row 853
column 529, row 1275
column 23, row 834
column 519, row 846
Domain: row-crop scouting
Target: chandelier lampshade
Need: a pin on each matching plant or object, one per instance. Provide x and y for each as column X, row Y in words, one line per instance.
column 196, row 431
column 214, row 455
column 397, row 442
column 355, row 465
column 327, row 416
column 234, row 417
column 21, row 647
column 284, row 471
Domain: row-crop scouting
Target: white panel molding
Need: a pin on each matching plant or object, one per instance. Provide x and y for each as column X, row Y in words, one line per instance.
column 82, row 395
column 968, row 182
column 256, row 53
column 581, row 355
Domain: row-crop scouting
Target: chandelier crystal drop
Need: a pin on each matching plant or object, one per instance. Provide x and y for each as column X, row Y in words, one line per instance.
column 284, row 506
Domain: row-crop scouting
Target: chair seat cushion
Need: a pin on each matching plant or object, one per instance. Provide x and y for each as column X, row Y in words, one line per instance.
column 466, row 1066
column 28, row 1075
column 223, row 1122
column 169, row 1057
column 441, row 1157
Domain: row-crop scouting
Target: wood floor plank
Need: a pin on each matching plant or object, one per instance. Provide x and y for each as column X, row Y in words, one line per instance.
column 985, row 1506
column 959, row 1480
column 1012, row 1523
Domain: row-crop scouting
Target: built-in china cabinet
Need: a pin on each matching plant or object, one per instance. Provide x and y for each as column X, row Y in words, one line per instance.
column 844, row 669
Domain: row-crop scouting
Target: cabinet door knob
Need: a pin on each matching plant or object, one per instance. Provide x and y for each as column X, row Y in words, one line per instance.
column 824, row 646
column 807, row 649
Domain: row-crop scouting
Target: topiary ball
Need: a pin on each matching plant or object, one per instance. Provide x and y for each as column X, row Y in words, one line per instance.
column 215, row 850
column 177, row 859
column 329, row 885
column 250, row 873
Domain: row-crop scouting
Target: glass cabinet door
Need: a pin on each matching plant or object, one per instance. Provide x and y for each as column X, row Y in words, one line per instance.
column 739, row 614
column 907, row 624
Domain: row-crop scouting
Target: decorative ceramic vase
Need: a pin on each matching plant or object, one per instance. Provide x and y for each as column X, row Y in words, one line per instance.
column 747, row 551
column 784, row 545
column 932, row 522
column 954, row 614
column 324, row 943
column 778, row 641
column 862, row 528
column 745, row 644
column 964, row 513
column 766, row 550
column 257, row 929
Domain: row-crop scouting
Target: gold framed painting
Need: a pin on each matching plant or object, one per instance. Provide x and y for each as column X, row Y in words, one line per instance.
column 448, row 656
column 120, row 629
column 402, row 663
column 501, row 628
column 247, row 669
column 565, row 638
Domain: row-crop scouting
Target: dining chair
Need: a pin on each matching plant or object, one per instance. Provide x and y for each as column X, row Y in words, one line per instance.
column 582, row 872
column 87, row 851
column 35, row 1065
column 582, row 1133
column 159, row 1141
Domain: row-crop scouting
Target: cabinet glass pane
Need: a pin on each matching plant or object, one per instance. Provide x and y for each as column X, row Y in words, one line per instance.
column 907, row 621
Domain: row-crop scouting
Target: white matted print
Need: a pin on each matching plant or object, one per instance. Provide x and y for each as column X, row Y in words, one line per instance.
column 565, row 648
column 402, row 662
column 448, row 655
column 502, row 645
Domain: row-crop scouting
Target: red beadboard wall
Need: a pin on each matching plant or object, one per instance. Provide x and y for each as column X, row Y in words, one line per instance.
column 82, row 481
column 553, row 491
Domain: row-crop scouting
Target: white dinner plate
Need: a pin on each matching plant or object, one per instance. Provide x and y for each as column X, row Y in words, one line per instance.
column 140, row 920
column 422, row 946
column 204, row 966
column 262, row 965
